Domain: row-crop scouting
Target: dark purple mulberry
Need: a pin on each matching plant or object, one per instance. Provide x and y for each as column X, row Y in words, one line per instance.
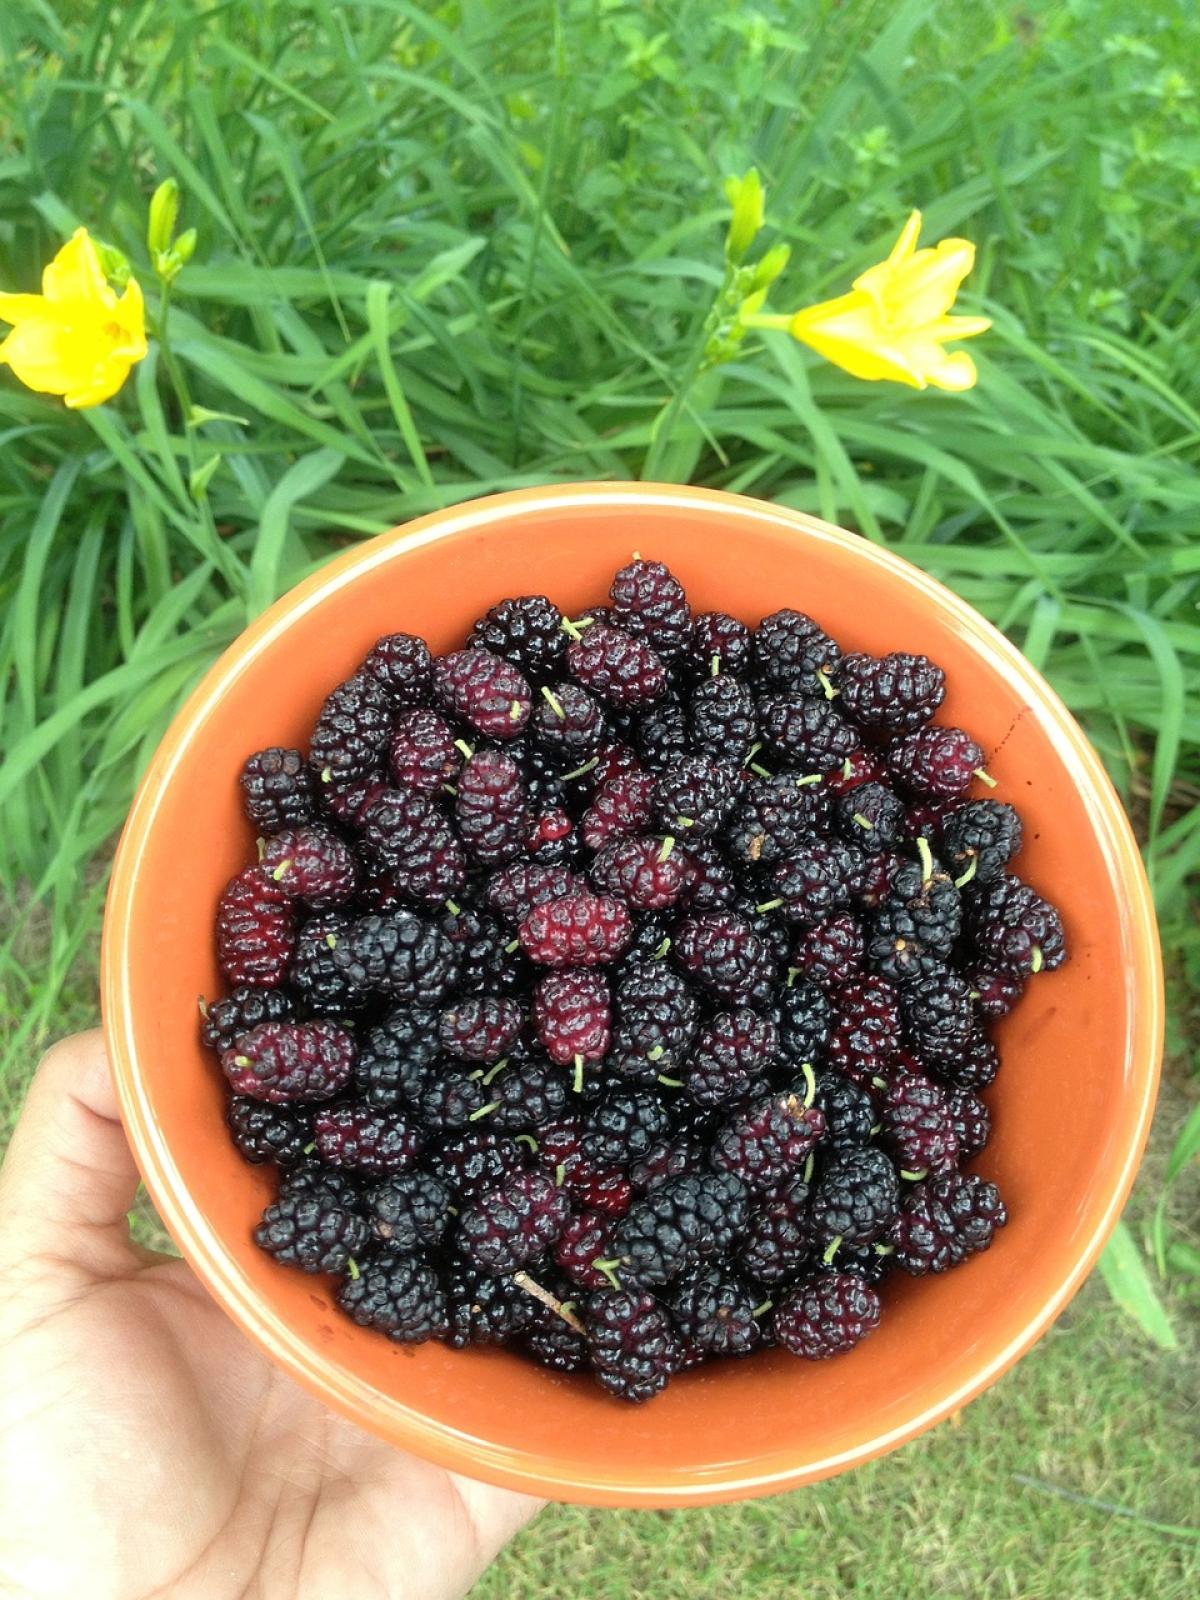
column 649, row 602
column 512, row 1225
column 944, row 1221
column 349, row 741
column 827, row 1315
column 892, row 694
column 277, row 790
column 790, row 649
column 620, row 669
column 485, row 691
column 491, row 808
column 526, row 631
column 634, row 1350
column 1014, row 930
column 283, row 1061
column 256, row 930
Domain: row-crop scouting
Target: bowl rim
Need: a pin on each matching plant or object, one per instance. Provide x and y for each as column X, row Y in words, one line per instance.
column 403, row 1425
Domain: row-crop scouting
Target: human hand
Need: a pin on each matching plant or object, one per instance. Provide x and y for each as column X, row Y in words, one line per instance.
column 146, row 1447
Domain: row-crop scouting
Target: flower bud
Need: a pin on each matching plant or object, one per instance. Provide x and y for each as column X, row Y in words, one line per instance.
column 114, row 263
column 185, row 247
column 771, row 265
column 164, row 210
column 748, row 200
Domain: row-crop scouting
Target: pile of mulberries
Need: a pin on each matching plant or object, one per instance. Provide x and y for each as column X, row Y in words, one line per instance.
column 617, row 988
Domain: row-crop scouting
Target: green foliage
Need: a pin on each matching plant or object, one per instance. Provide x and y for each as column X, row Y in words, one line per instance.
column 451, row 248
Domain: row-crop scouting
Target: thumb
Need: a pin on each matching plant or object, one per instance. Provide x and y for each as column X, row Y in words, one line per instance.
column 68, row 1179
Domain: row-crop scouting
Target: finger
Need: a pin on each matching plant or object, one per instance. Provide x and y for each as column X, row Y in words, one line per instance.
column 69, row 1179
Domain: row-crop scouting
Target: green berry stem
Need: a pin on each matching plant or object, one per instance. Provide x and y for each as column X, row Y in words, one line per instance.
column 577, row 1080
column 484, row 1111
column 961, row 883
column 609, row 1269
column 810, row 1079
column 662, row 949
column 914, row 1177
column 760, row 771
column 465, row 749
column 714, row 666
column 864, row 822
column 1038, row 960
column 453, row 907
column 560, row 1173
column 580, row 772
column 527, row 1138
column 499, row 1067
column 671, row 1083
column 985, row 777
column 926, row 855
column 352, row 1268
column 831, row 1249
column 668, row 845
column 826, row 683
column 554, row 703
column 761, row 1311
column 769, row 905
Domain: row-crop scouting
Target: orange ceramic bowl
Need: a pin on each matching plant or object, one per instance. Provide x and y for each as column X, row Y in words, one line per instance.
column 1071, row 1106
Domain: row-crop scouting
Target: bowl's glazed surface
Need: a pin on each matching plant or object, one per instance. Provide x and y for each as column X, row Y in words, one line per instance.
column 1071, row 1106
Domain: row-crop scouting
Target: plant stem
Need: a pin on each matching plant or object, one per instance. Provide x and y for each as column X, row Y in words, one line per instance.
column 223, row 558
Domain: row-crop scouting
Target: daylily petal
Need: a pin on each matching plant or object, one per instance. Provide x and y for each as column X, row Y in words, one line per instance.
column 957, row 327
column 925, row 286
column 895, row 321
column 907, row 242
column 75, row 274
column 77, row 339
column 48, row 357
column 101, row 388
column 846, row 332
column 16, row 307
column 130, row 315
column 951, row 369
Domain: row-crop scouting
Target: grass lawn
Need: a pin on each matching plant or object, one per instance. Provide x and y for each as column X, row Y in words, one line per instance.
column 462, row 246
column 1059, row 1484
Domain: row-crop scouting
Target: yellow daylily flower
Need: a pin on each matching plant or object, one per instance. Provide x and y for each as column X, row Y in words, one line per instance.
column 895, row 321
column 76, row 338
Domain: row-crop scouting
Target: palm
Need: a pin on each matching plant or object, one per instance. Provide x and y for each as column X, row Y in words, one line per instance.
column 147, row 1448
